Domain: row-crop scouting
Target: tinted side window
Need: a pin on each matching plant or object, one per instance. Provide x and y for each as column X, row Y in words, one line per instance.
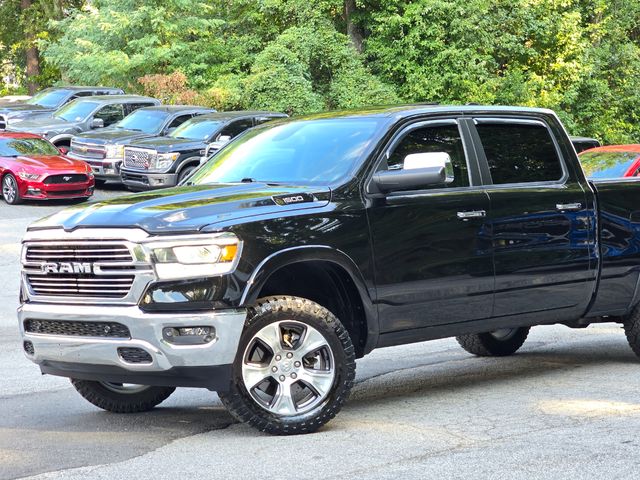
column 445, row 138
column 176, row 122
column 237, row 127
column 261, row 120
column 110, row 114
column 520, row 153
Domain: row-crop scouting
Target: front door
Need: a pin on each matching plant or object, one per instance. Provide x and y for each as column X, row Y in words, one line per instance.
column 432, row 252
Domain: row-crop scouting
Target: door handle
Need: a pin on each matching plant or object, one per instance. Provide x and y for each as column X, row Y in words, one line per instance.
column 571, row 207
column 472, row 214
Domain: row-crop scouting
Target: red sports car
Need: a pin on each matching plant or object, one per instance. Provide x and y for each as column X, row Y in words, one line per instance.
column 32, row 168
column 612, row 161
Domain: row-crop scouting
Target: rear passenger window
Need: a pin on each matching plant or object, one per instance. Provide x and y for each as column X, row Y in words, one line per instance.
column 519, row 153
column 444, row 138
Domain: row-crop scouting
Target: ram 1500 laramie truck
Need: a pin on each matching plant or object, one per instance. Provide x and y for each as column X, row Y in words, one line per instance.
column 305, row 244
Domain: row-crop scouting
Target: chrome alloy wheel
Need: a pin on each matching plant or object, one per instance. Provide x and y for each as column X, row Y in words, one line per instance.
column 9, row 189
column 288, row 368
column 126, row 388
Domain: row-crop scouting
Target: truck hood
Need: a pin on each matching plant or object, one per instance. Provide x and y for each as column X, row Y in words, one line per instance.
column 188, row 209
column 46, row 124
column 111, row 136
column 18, row 109
column 170, row 144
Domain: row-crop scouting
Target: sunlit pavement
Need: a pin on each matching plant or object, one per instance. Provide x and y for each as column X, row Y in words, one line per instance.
column 566, row 406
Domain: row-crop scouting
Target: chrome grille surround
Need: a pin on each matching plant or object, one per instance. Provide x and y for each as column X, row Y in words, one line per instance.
column 87, row 150
column 139, row 158
column 120, row 267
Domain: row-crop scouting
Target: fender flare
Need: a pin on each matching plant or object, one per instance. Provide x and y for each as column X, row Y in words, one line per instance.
column 63, row 136
column 323, row 253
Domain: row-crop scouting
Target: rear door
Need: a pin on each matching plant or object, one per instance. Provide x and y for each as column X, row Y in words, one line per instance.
column 433, row 261
column 541, row 220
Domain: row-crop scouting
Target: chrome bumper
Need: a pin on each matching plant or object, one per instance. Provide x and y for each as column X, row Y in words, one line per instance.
column 146, row 333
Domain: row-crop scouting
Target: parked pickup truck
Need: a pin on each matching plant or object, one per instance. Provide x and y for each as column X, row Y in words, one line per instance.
column 82, row 115
column 103, row 148
column 166, row 161
column 44, row 103
column 305, row 244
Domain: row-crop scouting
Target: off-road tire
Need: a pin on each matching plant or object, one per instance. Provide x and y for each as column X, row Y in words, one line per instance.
column 487, row 345
column 97, row 394
column 278, row 308
column 632, row 330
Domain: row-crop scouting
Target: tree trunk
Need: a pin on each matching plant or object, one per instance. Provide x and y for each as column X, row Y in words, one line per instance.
column 32, row 55
column 354, row 31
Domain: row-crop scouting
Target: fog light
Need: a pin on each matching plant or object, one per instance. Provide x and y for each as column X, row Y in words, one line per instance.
column 189, row 335
column 28, row 347
column 33, row 191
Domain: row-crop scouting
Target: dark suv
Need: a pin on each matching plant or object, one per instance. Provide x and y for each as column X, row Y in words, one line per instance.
column 165, row 161
column 103, row 149
column 83, row 114
column 48, row 101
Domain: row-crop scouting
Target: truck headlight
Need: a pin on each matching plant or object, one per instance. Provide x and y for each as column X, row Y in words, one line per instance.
column 195, row 257
column 163, row 161
column 114, row 151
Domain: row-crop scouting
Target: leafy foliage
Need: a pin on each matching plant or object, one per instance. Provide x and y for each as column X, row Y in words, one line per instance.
column 579, row 57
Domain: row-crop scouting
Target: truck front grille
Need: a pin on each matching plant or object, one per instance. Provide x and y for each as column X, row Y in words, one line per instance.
column 91, row 269
column 88, row 150
column 80, row 285
column 78, row 252
column 139, row 158
column 77, row 329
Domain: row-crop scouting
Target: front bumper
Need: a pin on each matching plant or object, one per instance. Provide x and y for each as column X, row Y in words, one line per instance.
column 93, row 358
column 105, row 169
column 40, row 191
column 146, row 181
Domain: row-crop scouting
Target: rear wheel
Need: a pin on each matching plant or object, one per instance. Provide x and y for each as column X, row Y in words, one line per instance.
column 632, row 330
column 10, row 191
column 122, row 397
column 498, row 343
column 294, row 369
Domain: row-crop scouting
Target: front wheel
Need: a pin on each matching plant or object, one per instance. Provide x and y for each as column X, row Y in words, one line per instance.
column 10, row 191
column 498, row 343
column 122, row 398
column 294, row 369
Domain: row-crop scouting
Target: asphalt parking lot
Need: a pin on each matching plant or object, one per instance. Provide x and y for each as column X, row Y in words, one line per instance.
column 565, row 406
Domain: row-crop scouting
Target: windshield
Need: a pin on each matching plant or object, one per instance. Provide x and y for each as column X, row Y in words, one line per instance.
column 143, row 120
column 76, row 111
column 49, row 98
column 607, row 164
column 13, row 147
column 298, row 152
column 196, row 129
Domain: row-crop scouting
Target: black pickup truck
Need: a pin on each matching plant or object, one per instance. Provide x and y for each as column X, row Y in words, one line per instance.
column 305, row 244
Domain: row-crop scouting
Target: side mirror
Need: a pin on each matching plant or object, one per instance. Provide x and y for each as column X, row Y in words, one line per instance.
column 97, row 123
column 63, row 150
column 222, row 139
column 419, row 170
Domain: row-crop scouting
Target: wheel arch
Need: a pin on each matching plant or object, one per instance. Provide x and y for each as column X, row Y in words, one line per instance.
column 334, row 271
column 62, row 139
